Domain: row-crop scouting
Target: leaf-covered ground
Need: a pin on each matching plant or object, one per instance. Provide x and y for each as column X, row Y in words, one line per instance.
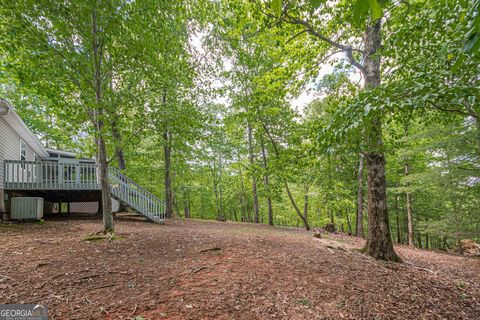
column 223, row 270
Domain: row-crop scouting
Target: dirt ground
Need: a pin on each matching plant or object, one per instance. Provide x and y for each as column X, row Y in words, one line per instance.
column 190, row 269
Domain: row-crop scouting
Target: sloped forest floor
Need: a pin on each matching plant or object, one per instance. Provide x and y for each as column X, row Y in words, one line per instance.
column 190, row 269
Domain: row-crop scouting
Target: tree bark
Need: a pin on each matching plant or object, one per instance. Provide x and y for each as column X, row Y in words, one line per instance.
column 267, row 185
column 349, row 224
column 294, row 204
column 167, row 157
column 186, row 209
column 379, row 242
column 409, row 211
column 305, row 203
column 254, row 180
column 290, row 196
column 167, row 152
column 397, row 211
column 243, row 200
column 108, row 224
column 359, row 223
column 235, row 214
column 122, row 165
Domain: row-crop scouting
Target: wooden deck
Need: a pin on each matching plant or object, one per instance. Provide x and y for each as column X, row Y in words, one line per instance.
column 77, row 181
column 50, row 175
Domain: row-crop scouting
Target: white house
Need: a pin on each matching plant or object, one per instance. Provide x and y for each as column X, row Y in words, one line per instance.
column 27, row 168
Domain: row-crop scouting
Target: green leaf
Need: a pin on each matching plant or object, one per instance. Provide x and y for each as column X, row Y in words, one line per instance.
column 376, row 10
column 316, row 3
column 277, row 7
column 359, row 11
column 362, row 7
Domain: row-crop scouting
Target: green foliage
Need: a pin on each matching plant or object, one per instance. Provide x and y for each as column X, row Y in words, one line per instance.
column 193, row 76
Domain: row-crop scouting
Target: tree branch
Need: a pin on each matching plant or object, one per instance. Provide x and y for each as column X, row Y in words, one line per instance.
column 309, row 28
column 436, row 107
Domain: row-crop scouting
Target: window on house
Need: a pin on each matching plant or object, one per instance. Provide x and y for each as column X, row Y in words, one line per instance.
column 23, row 150
column 23, row 153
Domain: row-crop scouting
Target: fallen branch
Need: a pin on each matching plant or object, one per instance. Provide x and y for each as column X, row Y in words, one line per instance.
column 211, row 249
column 199, row 269
column 89, row 276
column 7, row 277
column 105, row 286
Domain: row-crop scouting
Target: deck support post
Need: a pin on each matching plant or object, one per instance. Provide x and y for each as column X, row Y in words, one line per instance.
column 3, row 209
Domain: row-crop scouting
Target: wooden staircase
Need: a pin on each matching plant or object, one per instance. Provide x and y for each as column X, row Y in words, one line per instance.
column 136, row 197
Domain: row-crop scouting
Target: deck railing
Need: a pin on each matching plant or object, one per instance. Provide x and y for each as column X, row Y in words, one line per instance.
column 134, row 195
column 50, row 175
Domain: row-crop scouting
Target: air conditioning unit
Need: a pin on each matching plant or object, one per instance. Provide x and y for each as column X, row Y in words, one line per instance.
column 26, row 208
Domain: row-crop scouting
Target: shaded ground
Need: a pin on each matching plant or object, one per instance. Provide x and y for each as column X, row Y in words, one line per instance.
column 223, row 270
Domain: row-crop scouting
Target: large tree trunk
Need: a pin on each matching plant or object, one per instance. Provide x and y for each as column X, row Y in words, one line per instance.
column 359, row 223
column 379, row 242
column 409, row 211
column 108, row 225
column 267, row 185
column 254, row 179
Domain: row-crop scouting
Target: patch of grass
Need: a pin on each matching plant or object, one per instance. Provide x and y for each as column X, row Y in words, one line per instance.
column 40, row 222
column 9, row 225
column 304, row 302
column 340, row 304
column 102, row 237
column 461, row 285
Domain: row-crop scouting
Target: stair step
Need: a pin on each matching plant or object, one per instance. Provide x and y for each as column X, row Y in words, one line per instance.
column 135, row 196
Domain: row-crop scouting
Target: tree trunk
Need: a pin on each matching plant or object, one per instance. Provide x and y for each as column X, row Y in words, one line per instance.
column 290, row 196
column 267, row 185
column 379, row 242
column 235, row 214
column 397, row 211
column 168, row 180
column 243, row 200
column 108, row 224
column 359, row 223
column 186, row 208
column 220, row 187
column 305, row 203
column 409, row 211
column 349, row 224
column 294, row 204
column 254, row 180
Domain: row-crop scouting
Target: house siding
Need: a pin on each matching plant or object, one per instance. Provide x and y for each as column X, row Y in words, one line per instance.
column 10, row 147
